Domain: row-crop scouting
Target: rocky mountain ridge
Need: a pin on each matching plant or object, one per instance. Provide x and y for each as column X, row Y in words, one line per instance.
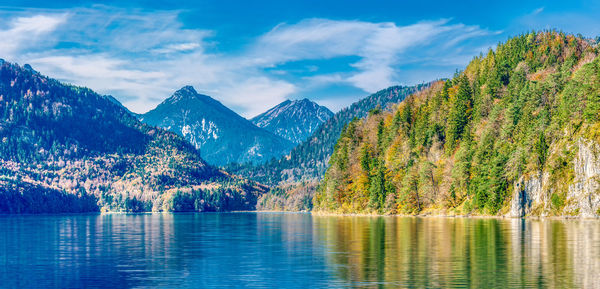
column 221, row 135
column 294, row 120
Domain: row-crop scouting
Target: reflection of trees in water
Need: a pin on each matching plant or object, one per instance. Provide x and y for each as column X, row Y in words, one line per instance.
column 295, row 250
column 290, row 230
column 461, row 252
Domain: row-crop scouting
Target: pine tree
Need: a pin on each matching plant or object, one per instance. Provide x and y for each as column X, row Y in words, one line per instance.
column 541, row 149
column 460, row 113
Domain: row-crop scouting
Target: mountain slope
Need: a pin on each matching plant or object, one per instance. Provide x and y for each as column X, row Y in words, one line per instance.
column 221, row 135
column 294, row 120
column 517, row 133
column 308, row 161
column 68, row 149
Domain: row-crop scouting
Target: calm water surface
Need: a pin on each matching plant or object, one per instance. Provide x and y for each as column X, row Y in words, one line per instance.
column 277, row 250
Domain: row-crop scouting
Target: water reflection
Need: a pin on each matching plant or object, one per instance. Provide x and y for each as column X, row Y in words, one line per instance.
column 462, row 253
column 270, row 250
column 161, row 250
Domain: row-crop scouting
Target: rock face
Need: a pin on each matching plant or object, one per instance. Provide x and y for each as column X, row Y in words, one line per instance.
column 221, row 135
column 584, row 194
column 294, row 120
column 528, row 194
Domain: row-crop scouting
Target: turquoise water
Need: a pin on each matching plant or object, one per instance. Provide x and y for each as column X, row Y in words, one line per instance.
column 277, row 250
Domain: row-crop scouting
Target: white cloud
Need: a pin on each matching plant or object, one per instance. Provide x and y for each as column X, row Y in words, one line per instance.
column 380, row 46
column 96, row 66
column 26, row 32
column 373, row 78
column 171, row 48
column 141, row 57
column 257, row 90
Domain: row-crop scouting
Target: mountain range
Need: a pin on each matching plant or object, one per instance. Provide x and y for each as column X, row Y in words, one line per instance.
column 224, row 137
column 68, row 149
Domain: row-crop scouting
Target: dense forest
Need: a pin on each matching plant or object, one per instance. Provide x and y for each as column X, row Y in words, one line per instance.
column 516, row 132
column 68, row 149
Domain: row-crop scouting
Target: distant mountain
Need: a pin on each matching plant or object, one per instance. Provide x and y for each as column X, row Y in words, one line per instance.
column 221, row 135
column 294, row 120
column 68, row 149
column 309, row 160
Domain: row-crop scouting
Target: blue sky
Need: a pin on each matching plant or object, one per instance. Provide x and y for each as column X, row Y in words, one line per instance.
column 251, row 55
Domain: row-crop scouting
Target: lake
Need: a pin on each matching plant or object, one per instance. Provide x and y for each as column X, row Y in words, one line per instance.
column 296, row 250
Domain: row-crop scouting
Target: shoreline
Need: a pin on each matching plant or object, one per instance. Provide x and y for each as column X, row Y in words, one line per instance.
column 319, row 214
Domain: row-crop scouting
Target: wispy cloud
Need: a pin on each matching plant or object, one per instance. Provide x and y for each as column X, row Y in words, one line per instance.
column 538, row 11
column 141, row 57
column 381, row 47
column 172, row 48
column 23, row 33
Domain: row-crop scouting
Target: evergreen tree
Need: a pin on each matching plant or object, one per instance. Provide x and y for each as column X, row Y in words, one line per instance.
column 460, row 113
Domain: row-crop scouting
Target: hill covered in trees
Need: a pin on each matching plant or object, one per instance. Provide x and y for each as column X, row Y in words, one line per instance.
column 68, row 149
column 516, row 133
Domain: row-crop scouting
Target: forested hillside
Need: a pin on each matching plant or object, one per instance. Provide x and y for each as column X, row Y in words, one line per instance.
column 308, row 161
column 517, row 133
column 68, row 149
